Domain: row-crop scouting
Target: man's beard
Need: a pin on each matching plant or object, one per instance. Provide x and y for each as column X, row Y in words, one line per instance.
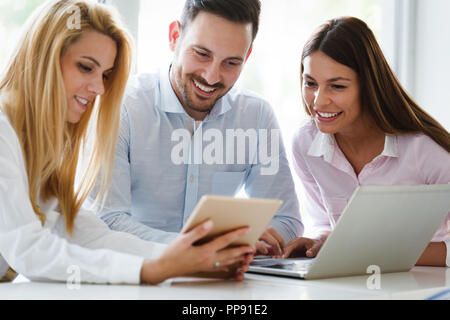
column 188, row 94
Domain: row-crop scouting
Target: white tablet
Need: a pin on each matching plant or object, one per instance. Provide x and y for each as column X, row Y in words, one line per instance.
column 228, row 213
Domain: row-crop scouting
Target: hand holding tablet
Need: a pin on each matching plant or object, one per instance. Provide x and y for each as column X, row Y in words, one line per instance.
column 228, row 213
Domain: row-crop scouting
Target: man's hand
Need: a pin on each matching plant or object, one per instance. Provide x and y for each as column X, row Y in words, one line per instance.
column 274, row 243
column 304, row 247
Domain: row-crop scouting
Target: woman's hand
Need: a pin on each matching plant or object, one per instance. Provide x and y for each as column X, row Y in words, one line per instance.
column 182, row 257
column 304, row 247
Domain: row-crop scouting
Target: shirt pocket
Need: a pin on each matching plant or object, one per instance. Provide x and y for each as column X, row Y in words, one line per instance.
column 227, row 183
column 335, row 207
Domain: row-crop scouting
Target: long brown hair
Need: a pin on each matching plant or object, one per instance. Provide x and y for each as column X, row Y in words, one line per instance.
column 34, row 99
column 349, row 41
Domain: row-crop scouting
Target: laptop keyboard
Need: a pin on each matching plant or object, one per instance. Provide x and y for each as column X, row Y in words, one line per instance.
column 287, row 264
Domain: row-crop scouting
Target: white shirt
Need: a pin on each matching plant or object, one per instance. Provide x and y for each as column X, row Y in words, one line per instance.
column 48, row 252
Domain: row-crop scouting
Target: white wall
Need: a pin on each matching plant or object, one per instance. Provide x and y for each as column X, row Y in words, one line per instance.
column 432, row 61
column 129, row 10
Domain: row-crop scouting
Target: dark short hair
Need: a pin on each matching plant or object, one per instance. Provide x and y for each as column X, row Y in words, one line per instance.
column 241, row 11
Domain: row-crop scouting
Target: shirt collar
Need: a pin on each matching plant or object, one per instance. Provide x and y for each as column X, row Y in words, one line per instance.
column 170, row 102
column 222, row 105
column 324, row 144
column 390, row 147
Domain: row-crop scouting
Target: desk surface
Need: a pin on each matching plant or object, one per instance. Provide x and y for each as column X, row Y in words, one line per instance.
column 419, row 283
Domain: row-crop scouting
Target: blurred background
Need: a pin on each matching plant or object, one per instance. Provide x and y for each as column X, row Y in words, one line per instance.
column 414, row 35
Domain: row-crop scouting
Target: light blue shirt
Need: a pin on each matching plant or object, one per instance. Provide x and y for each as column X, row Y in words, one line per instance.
column 165, row 161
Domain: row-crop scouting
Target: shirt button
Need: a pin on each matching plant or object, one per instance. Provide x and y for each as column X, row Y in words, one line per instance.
column 191, row 178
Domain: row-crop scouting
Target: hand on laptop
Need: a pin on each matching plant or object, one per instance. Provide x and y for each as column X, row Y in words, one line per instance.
column 275, row 243
column 304, row 247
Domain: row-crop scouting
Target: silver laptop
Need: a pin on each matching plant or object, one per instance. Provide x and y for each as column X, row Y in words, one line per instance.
column 384, row 226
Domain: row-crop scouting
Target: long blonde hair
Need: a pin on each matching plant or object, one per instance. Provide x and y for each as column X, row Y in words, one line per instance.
column 34, row 99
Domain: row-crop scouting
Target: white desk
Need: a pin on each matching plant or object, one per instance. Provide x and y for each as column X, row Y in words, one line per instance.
column 419, row 283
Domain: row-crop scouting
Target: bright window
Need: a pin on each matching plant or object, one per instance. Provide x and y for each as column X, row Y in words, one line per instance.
column 13, row 14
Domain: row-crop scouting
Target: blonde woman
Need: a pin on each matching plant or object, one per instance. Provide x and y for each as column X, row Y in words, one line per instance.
column 71, row 65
